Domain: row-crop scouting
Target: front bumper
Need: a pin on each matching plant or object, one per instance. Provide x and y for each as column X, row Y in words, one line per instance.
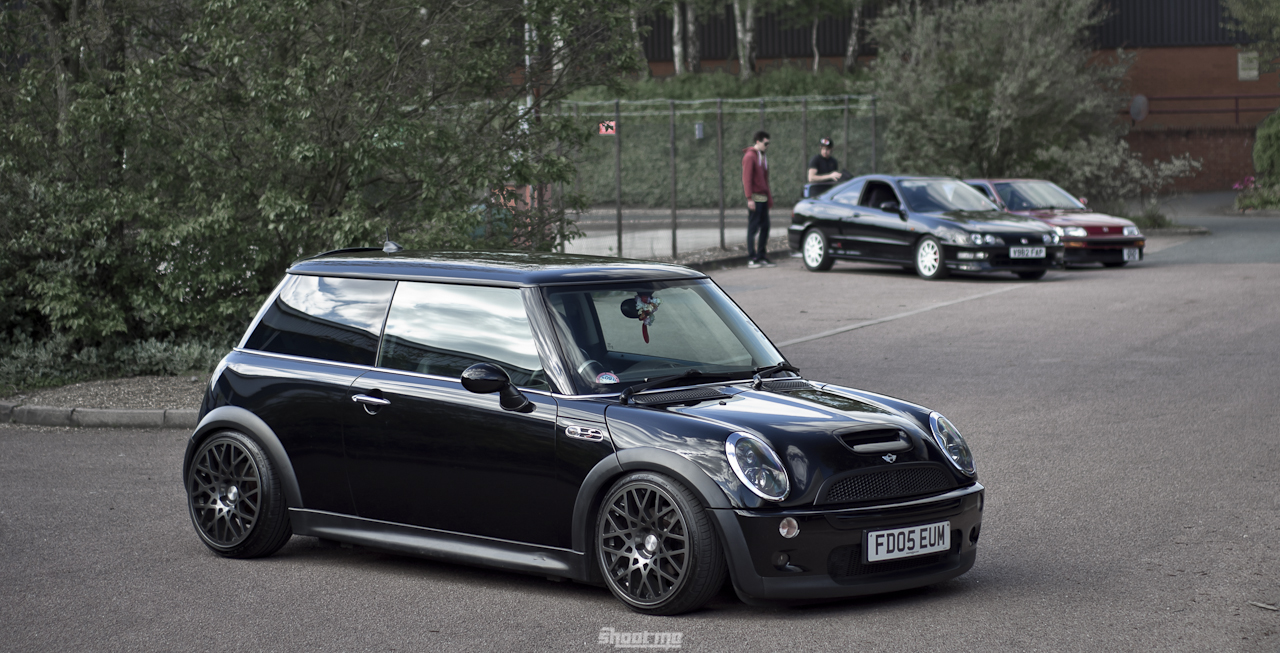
column 826, row 559
column 1101, row 250
column 997, row 259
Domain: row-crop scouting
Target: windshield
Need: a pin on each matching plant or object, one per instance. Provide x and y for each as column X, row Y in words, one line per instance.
column 941, row 195
column 1035, row 195
column 617, row 335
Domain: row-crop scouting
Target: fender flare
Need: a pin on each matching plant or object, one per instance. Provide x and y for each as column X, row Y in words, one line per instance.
column 598, row 480
column 238, row 419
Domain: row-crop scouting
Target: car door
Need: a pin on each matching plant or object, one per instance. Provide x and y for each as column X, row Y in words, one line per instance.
column 422, row 450
column 886, row 234
column 843, row 214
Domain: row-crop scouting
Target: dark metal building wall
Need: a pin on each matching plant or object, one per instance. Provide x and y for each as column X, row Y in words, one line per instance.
column 1164, row 23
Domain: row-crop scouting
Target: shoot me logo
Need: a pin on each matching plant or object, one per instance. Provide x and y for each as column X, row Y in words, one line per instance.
column 643, row 639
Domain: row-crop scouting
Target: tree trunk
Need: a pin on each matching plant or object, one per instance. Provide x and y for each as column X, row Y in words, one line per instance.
column 67, row 64
column 851, row 49
column 691, row 31
column 677, row 37
column 744, row 19
column 813, row 38
column 639, row 47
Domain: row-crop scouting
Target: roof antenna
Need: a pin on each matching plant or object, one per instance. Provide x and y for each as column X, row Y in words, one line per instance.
column 390, row 246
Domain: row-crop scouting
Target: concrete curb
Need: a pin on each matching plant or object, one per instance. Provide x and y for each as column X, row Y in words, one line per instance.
column 176, row 418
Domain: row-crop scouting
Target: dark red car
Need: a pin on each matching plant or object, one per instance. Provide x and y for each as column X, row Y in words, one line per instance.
column 1089, row 237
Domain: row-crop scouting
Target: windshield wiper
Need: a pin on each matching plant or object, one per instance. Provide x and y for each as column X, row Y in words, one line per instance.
column 663, row 380
column 757, row 379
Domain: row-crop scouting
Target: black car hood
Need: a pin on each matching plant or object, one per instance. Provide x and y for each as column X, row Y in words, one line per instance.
column 994, row 220
column 804, row 424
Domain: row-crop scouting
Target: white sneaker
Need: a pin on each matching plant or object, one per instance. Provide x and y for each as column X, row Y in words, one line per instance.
column 754, row 264
column 767, row 263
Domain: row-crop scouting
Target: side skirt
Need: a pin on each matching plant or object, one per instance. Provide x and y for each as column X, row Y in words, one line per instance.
column 441, row 545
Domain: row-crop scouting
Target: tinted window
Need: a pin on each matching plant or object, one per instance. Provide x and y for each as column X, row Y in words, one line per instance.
column 878, row 193
column 323, row 317
column 848, row 194
column 443, row 329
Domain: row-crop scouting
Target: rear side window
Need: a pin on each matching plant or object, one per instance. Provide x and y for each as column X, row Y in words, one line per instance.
column 442, row 329
column 325, row 317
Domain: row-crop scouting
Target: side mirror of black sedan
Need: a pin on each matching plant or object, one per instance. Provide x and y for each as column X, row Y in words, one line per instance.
column 893, row 207
column 487, row 378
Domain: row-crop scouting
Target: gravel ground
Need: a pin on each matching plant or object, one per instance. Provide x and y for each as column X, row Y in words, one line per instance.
column 138, row 393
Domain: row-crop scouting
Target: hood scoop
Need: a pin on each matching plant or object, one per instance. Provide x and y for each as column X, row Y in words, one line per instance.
column 782, row 385
column 874, row 440
column 687, row 396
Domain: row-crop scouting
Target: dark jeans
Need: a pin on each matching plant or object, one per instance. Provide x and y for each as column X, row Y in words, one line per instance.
column 758, row 223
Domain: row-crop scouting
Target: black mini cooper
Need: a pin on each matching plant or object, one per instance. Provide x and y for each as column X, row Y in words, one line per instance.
column 608, row 421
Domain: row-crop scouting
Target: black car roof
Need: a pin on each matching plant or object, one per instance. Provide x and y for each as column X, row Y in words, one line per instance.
column 489, row 268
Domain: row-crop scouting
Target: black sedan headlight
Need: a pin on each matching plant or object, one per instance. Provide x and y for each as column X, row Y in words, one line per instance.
column 951, row 442
column 757, row 466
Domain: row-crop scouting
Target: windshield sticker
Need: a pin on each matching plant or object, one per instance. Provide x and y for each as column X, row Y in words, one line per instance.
column 604, row 378
column 646, row 306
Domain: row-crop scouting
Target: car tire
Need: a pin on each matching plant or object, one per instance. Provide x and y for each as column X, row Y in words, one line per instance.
column 1031, row 276
column 1114, row 264
column 235, row 499
column 928, row 259
column 814, row 250
column 656, row 546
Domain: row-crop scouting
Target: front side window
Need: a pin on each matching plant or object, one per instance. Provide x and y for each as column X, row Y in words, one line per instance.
column 617, row 335
column 325, row 317
column 442, row 329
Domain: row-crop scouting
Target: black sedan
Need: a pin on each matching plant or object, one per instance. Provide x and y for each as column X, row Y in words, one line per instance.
column 612, row 422
column 933, row 225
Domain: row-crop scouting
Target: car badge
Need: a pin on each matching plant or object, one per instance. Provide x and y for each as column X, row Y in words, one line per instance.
column 889, row 458
column 1024, row 241
column 1106, row 229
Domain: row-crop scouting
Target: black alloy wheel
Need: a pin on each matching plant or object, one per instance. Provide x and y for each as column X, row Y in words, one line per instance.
column 234, row 497
column 929, row 262
column 1031, row 276
column 813, row 248
column 657, row 548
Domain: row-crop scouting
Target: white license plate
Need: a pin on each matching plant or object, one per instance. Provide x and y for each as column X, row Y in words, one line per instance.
column 1026, row 252
column 1131, row 254
column 907, row 542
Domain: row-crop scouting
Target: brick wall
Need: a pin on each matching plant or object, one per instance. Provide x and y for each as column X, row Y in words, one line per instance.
column 1226, row 153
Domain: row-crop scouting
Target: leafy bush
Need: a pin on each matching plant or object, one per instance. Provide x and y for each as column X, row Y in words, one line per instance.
column 1104, row 170
column 1266, row 150
column 785, row 80
column 28, row 365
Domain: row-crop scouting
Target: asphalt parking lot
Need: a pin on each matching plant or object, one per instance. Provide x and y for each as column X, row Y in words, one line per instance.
column 1122, row 422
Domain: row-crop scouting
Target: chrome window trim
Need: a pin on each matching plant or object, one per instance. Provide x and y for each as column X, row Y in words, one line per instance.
column 366, row 368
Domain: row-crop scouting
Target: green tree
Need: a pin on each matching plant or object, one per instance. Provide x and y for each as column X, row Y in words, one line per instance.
column 1005, row 88
column 162, row 163
column 1259, row 20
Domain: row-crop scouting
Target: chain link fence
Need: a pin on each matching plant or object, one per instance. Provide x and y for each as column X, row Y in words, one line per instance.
column 664, row 177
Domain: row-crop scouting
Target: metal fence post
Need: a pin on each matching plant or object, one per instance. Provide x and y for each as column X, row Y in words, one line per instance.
column 804, row 140
column 720, row 161
column 617, row 165
column 873, row 135
column 847, row 160
column 761, row 114
column 673, row 178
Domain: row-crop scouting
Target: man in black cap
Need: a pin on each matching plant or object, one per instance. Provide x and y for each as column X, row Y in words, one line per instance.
column 823, row 168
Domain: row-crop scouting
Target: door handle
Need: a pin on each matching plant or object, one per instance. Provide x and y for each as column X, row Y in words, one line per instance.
column 370, row 401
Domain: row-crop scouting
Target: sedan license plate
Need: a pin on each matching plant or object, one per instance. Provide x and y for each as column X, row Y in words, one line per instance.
column 1131, row 254
column 907, row 542
column 1026, row 252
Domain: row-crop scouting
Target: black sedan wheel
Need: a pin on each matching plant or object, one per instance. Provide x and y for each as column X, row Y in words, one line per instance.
column 235, row 499
column 814, row 248
column 657, row 548
column 929, row 263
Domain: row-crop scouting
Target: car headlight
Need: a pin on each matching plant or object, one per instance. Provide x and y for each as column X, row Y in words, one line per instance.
column 1050, row 239
column 1132, row 231
column 757, row 466
column 1074, row 232
column 950, row 441
column 953, row 236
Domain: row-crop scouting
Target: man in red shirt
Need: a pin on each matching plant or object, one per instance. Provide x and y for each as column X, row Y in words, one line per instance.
column 755, row 183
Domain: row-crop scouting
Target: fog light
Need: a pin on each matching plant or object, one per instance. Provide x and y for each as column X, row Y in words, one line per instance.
column 980, row 255
column 964, row 255
column 781, row 559
column 789, row 528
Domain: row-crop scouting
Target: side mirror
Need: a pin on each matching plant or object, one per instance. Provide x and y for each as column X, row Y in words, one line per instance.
column 1084, row 200
column 893, row 207
column 487, row 378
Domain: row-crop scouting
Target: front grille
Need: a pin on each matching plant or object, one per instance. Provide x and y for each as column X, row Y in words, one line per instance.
column 897, row 482
column 845, row 563
column 678, row 396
